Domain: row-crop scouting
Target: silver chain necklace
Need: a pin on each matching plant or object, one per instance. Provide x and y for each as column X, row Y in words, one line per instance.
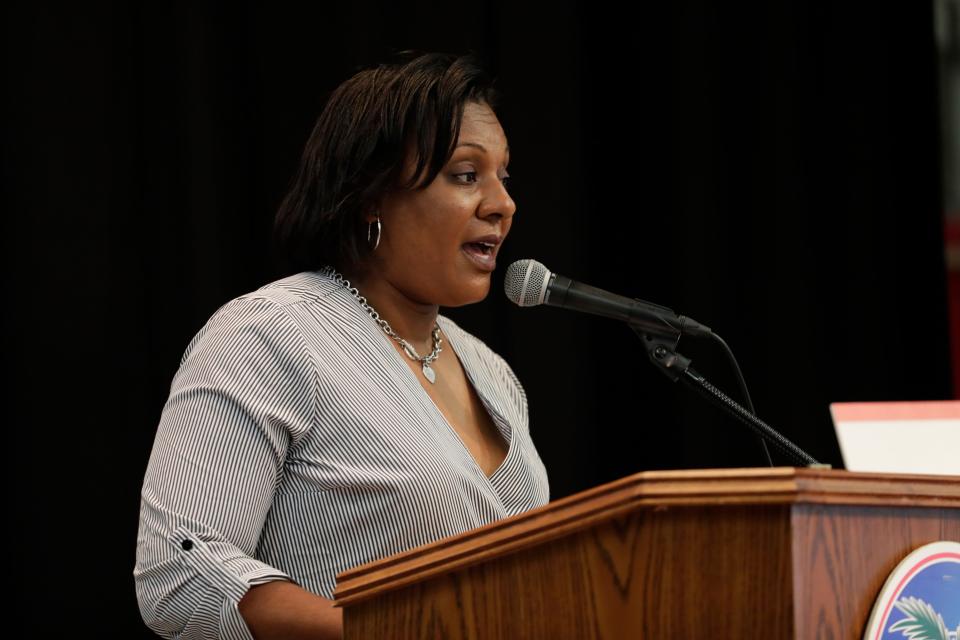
column 425, row 361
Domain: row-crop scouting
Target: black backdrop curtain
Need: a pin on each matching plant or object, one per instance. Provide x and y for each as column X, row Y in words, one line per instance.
column 772, row 172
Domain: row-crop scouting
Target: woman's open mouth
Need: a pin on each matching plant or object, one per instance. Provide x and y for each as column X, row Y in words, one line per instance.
column 482, row 254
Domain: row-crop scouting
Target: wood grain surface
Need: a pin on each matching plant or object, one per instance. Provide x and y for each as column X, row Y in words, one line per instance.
column 843, row 555
column 790, row 553
column 672, row 572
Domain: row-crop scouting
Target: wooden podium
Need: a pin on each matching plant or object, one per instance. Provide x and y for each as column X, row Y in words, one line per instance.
column 734, row 553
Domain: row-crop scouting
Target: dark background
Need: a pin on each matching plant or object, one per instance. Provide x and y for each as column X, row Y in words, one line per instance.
column 771, row 171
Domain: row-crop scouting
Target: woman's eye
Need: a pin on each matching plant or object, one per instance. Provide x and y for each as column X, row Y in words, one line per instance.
column 472, row 174
column 470, row 177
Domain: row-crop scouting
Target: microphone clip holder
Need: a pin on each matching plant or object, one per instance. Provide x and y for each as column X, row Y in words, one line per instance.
column 662, row 353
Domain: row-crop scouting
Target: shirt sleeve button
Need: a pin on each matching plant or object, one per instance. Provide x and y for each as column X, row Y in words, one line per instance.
column 187, row 545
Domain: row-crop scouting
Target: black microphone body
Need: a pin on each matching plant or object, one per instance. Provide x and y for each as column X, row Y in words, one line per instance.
column 529, row 283
column 645, row 316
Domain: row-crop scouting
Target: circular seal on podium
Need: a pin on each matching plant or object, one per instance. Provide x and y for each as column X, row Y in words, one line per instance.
column 921, row 598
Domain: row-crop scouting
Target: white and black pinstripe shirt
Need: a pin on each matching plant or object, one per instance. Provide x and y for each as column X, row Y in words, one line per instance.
column 297, row 443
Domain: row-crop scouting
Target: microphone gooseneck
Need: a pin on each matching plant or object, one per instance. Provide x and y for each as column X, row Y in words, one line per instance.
column 528, row 283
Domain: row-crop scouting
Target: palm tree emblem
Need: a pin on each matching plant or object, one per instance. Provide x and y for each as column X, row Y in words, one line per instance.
column 922, row 621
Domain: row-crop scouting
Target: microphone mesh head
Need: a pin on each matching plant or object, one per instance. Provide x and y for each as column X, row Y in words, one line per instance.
column 526, row 282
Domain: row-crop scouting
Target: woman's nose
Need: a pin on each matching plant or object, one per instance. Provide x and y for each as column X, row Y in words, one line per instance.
column 498, row 201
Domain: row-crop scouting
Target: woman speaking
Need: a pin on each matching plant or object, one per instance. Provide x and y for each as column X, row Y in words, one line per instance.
column 334, row 417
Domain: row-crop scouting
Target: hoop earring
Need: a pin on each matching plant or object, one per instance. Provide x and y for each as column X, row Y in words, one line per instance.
column 369, row 228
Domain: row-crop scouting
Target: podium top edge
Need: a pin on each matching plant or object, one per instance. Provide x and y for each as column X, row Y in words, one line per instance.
column 687, row 488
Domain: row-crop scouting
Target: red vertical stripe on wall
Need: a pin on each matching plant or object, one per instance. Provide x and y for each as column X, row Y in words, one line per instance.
column 952, row 245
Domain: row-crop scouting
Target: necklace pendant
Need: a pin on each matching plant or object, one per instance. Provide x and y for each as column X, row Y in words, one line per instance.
column 429, row 373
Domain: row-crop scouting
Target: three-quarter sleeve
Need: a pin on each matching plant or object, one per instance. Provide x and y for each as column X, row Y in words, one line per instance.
column 244, row 394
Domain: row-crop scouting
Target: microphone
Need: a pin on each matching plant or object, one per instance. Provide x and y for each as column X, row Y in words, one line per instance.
column 528, row 283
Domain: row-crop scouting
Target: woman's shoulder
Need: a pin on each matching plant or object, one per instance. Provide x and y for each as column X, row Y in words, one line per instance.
column 276, row 297
column 306, row 286
column 269, row 311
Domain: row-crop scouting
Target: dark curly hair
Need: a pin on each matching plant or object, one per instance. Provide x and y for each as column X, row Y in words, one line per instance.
column 357, row 149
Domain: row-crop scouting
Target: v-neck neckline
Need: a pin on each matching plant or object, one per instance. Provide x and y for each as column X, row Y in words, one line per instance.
column 495, row 416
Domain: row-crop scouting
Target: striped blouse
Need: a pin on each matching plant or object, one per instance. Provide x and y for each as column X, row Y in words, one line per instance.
column 296, row 443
